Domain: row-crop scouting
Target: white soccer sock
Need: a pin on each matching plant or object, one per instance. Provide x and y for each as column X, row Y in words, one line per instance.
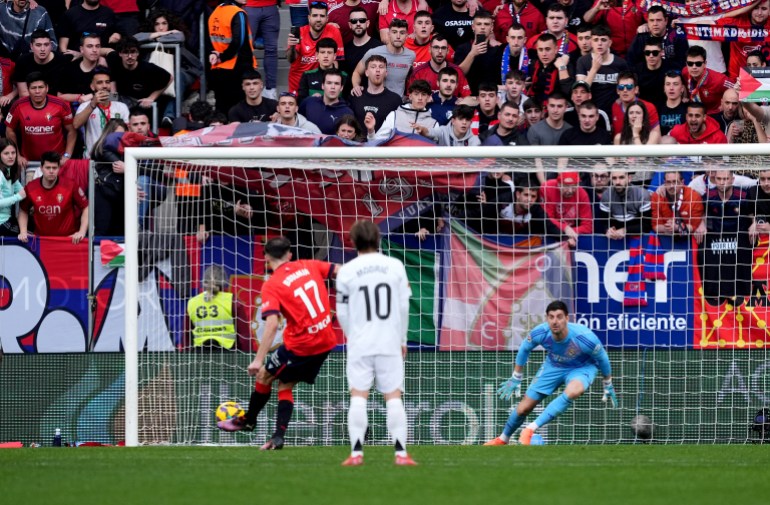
column 532, row 426
column 397, row 423
column 357, row 421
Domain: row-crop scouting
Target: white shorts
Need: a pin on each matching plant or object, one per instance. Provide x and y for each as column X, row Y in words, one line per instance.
column 387, row 370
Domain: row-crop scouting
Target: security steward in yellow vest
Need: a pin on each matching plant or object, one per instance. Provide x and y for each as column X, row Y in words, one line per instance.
column 212, row 313
column 232, row 54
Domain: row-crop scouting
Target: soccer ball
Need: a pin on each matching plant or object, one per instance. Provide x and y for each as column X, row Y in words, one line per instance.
column 642, row 427
column 228, row 410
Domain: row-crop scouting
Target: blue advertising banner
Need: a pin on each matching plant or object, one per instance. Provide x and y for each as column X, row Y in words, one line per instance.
column 603, row 296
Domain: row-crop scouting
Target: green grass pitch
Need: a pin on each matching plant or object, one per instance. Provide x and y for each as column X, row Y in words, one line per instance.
column 550, row 475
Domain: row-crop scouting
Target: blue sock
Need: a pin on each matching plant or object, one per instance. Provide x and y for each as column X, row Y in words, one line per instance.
column 553, row 410
column 513, row 423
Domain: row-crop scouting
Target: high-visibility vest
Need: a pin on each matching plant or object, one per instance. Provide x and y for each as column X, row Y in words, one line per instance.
column 184, row 186
column 221, row 34
column 212, row 320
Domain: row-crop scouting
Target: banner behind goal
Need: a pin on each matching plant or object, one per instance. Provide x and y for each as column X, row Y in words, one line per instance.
column 681, row 309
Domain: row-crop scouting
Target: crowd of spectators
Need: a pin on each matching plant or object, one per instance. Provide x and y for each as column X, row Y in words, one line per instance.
column 457, row 73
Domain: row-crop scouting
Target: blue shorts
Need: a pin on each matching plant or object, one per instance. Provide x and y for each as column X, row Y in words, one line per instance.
column 549, row 378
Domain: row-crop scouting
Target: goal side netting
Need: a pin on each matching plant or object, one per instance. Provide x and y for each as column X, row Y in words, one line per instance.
column 662, row 251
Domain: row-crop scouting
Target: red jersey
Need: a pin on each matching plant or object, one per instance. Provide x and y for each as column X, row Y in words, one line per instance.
column 529, row 17
column 42, row 129
column 708, row 90
column 306, row 59
column 739, row 51
column 395, row 13
column 340, row 14
column 298, row 291
column 54, row 210
column 619, row 114
column 426, row 72
column 422, row 52
column 624, row 22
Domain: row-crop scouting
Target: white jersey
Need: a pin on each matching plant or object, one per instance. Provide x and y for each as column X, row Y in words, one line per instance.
column 373, row 305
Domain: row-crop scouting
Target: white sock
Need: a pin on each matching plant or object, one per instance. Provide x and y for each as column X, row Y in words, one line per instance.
column 357, row 421
column 533, row 426
column 504, row 437
column 397, row 424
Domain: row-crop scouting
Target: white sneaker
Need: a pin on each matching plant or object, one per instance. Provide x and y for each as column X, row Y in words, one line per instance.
column 270, row 93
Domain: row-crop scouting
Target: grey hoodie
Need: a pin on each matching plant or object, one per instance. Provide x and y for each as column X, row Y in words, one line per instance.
column 445, row 136
column 401, row 119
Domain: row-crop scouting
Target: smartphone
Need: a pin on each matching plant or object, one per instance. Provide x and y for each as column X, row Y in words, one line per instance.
column 114, row 97
column 480, row 38
column 295, row 31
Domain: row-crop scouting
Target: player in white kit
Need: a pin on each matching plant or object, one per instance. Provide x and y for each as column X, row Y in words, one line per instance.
column 373, row 310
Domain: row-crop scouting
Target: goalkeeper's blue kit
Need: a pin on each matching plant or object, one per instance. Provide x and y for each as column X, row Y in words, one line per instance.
column 575, row 357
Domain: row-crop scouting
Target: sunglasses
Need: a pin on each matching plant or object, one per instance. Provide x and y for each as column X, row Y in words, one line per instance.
column 695, row 63
column 652, row 53
column 626, row 87
column 673, row 73
column 319, row 4
column 287, row 93
column 358, row 21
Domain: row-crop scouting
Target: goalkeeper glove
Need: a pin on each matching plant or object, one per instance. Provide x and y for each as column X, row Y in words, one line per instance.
column 609, row 393
column 511, row 387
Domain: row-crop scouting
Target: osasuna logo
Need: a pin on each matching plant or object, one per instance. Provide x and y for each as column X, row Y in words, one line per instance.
column 396, row 188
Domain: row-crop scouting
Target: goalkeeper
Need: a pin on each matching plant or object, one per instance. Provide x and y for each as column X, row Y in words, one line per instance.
column 574, row 353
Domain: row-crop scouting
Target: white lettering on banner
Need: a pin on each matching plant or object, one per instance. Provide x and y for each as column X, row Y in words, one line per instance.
column 154, row 333
column 54, row 330
column 734, row 382
column 614, row 275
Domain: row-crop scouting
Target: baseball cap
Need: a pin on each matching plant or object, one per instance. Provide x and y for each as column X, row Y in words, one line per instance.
column 582, row 84
column 569, row 178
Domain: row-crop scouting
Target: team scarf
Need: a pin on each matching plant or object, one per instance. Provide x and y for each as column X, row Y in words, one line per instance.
column 705, row 28
column 505, row 65
column 695, row 87
column 697, row 8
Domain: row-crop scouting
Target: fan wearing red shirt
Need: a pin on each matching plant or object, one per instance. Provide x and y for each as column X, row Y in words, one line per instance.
column 301, row 51
column 628, row 94
column 758, row 18
column 41, row 121
column 297, row 291
column 704, row 85
column 567, row 206
column 623, row 16
column 698, row 128
column 556, row 20
column 53, row 203
column 398, row 9
column 524, row 14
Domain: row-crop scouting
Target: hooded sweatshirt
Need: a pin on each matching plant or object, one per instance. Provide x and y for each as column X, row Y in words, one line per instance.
column 445, row 136
column 712, row 135
column 401, row 119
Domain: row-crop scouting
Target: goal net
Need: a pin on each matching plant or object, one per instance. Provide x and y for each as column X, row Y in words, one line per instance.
column 680, row 306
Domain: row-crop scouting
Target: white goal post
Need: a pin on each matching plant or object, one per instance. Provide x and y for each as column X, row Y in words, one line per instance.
column 361, row 159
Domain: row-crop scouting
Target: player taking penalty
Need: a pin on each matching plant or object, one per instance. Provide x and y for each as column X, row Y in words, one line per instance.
column 373, row 309
column 574, row 353
column 296, row 290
